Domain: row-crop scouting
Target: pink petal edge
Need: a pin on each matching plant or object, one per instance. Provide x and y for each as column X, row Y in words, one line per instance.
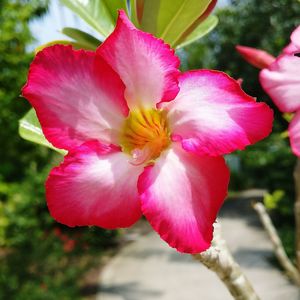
column 211, row 115
column 294, row 45
column 147, row 66
column 74, row 100
column 94, row 185
column 181, row 195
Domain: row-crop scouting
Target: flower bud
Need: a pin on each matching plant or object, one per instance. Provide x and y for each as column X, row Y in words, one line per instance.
column 256, row 57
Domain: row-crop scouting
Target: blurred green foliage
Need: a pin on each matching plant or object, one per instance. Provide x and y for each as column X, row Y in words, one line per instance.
column 264, row 24
column 14, row 61
column 39, row 259
column 271, row 200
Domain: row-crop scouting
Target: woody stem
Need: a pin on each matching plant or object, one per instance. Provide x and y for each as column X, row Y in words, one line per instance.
column 297, row 211
column 219, row 259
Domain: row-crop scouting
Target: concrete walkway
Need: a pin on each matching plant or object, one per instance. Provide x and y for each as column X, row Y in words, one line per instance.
column 148, row 269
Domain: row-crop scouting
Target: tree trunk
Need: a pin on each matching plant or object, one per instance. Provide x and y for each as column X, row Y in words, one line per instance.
column 286, row 264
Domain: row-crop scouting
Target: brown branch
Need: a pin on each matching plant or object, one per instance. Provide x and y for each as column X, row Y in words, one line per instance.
column 297, row 211
column 279, row 251
column 219, row 259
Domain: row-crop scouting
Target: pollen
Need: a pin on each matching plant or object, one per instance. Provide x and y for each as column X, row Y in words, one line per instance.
column 145, row 135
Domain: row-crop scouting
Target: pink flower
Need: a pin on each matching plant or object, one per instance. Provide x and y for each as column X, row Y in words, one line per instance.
column 281, row 80
column 142, row 137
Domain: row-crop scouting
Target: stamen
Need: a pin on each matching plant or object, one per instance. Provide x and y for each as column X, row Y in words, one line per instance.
column 145, row 135
column 139, row 156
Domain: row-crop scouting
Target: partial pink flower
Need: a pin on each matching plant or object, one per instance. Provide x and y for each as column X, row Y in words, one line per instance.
column 281, row 81
column 255, row 57
column 142, row 138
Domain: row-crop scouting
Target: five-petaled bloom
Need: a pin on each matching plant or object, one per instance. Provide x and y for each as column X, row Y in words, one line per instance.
column 142, row 137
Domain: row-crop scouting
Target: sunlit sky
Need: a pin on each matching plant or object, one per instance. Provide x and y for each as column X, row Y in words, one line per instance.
column 48, row 27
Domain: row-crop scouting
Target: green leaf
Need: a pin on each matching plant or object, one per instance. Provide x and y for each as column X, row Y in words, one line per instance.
column 149, row 11
column 56, row 42
column 100, row 14
column 288, row 116
column 204, row 28
column 113, row 7
column 134, row 8
column 169, row 19
column 271, row 201
column 76, row 45
column 82, row 38
column 284, row 134
column 30, row 130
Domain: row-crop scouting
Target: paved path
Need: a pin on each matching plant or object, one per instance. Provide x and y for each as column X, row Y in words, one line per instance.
column 148, row 269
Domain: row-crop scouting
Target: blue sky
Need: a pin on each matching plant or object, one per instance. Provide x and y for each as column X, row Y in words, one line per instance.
column 48, row 28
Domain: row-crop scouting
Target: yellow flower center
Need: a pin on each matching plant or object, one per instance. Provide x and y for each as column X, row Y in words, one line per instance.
column 145, row 135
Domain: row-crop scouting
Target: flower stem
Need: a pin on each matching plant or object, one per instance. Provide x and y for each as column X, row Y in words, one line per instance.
column 219, row 259
column 297, row 211
column 279, row 251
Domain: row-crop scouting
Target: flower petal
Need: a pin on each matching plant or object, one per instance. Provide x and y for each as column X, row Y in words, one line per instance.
column 295, row 37
column 282, row 82
column 213, row 116
column 95, row 185
column 74, row 100
column 147, row 66
column 294, row 133
column 181, row 196
column 294, row 45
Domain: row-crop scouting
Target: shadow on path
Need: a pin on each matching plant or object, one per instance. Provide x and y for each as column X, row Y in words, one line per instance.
column 148, row 269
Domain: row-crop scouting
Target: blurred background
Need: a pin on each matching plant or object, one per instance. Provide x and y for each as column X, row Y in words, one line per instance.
column 41, row 259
